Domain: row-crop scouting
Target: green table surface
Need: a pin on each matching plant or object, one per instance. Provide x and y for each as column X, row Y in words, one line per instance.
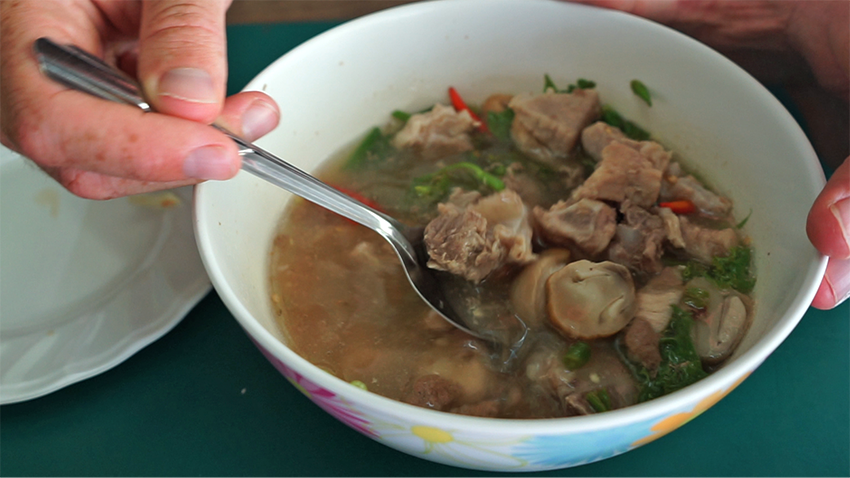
column 203, row 401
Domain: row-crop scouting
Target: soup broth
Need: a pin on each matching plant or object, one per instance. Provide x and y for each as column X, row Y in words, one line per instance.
column 624, row 306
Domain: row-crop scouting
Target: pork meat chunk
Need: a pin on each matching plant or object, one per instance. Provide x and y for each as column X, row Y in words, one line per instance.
column 656, row 299
column 510, row 221
column 547, row 126
column 474, row 241
column 641, row 344
column 678, row 185
column 703, row 243
column 586, row 224
column 628, row 171
column 433, row 391
column 459, row 241
column 597, row 136
column 672, row 226
column 637, row 241
column 437, row 133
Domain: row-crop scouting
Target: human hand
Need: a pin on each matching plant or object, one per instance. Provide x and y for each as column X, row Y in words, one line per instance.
column 100, row 150
column 806, row 46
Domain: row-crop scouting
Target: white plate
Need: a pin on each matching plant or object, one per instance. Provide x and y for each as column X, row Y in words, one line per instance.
column 85, row 284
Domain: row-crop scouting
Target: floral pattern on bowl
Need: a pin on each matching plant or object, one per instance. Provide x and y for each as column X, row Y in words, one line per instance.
column 516, row 452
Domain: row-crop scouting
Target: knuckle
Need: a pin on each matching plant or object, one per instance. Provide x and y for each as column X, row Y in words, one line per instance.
column 184, row 24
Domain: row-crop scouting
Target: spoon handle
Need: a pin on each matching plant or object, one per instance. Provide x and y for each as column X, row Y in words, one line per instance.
column 77, row 69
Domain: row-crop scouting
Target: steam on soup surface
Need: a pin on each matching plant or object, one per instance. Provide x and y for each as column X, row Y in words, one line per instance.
column 549, row 214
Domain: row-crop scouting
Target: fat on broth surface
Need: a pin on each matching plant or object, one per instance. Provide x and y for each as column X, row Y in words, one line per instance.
column 343, row 301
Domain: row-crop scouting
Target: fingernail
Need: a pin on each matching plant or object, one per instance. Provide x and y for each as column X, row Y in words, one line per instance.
column 208, row 162
column 841, row 211
column 188, row 84
column 838, row 279
column 258, row 119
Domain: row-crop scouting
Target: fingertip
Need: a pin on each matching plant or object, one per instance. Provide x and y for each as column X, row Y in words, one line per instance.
column 835, row 287
column 259, row 119
column 824, row 299
column 250, row 114
column 826, row 233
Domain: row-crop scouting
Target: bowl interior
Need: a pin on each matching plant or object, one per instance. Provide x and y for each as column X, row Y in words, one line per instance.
column 715, row 116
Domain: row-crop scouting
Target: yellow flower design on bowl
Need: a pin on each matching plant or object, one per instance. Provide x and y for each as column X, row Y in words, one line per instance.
column 672, row 422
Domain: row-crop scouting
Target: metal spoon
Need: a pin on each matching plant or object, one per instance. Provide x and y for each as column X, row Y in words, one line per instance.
column 77, row 69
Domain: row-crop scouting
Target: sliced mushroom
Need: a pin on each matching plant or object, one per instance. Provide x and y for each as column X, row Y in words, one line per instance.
column 716, row 336
column 528, row 291
column 588, row 300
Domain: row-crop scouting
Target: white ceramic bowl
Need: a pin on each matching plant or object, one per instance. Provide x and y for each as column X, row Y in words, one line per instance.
column 335, row 86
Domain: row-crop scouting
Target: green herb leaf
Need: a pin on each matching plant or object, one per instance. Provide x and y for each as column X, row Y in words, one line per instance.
column 694, row 269
column 741, row 224
column 599, row 400
column 585, row 84
column 630, row 129
column 695, row 297
column 581, row 84
column 498, row 169
column 500, row 123
column 641, row 90
column 635, row 132
column 374, row 148
column 733, row 270
column 402, row 116
column 680, row 364
column 549, row 84
column 730, row 271
column 577, row 355
column 436, row 187
column 359, row 384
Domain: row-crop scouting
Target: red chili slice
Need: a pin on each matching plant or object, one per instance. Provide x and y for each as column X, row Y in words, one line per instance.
column 460, row 105
column 681, row 206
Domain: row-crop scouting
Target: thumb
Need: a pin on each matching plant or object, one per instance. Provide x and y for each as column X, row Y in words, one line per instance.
column 182, row 57
column 828, row 224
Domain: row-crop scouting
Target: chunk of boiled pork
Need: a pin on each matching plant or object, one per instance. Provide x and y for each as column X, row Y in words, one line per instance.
column 474, row 241
column 546, row 127
column 454, row 377
column 672, row 226
column 628, row 171
column 510, row 219
column 459, row 241
column 567, row 388
column 641, row 343
column 597, row 136
column 656, row 299
column 586, row 224
column 676, row 185
column 528, row 290
column 433, row 391
column 704, row 243
column 437, row 133
column 637, row 241
column 589, row 300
